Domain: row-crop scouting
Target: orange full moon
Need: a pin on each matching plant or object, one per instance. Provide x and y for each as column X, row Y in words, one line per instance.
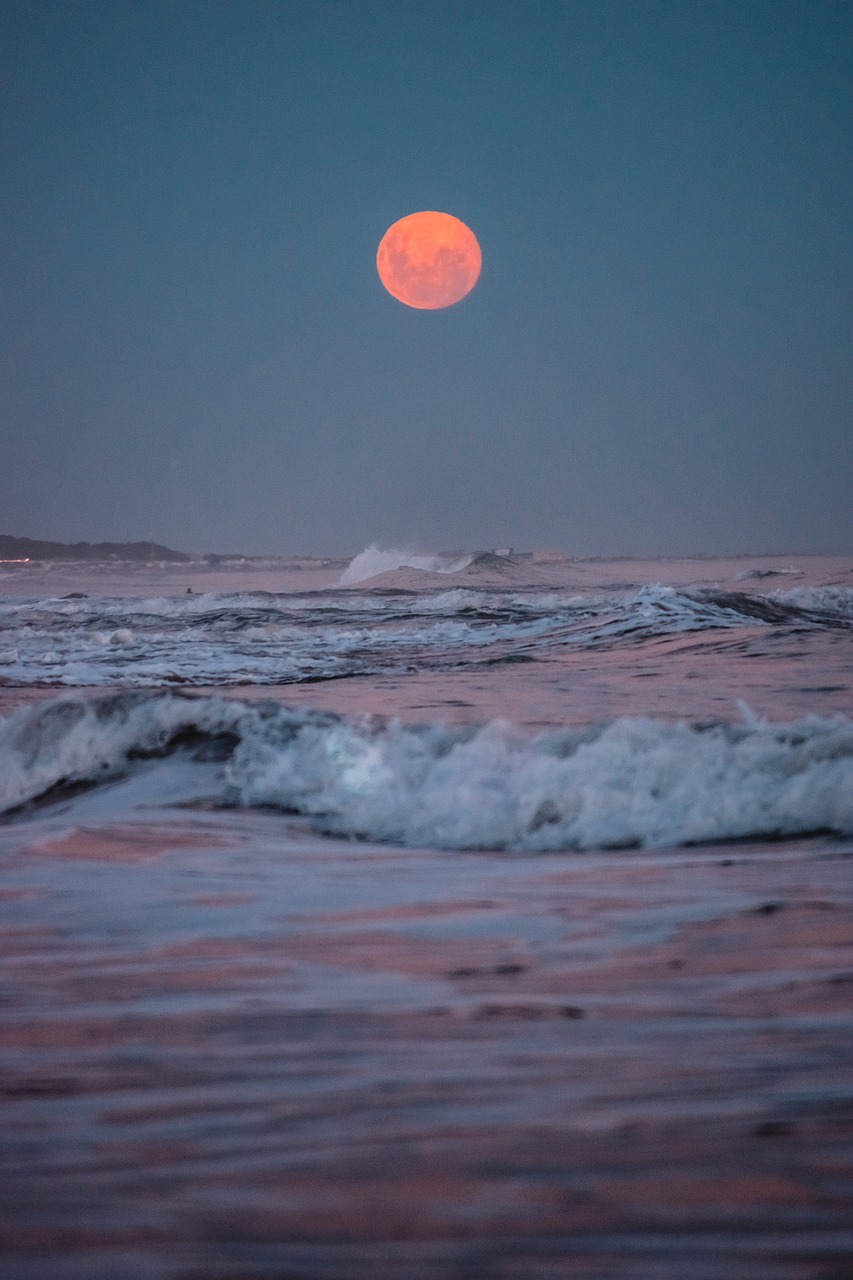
column 429, row 260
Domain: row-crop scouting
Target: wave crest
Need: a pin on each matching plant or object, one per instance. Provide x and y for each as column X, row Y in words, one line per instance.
column 373, row 561
column 631, row 782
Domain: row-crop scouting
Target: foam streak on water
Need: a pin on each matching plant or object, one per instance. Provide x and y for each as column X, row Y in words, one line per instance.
column 264, row 638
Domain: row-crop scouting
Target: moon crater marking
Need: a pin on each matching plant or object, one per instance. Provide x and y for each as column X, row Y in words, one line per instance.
column 429, row 260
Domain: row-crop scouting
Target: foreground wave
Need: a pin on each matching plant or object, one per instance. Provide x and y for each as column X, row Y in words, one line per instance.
column 633, row 782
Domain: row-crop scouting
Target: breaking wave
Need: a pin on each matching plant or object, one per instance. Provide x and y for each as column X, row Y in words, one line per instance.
column 632, row 782
column 373, row 560
column 266, row 638
column 819, row 600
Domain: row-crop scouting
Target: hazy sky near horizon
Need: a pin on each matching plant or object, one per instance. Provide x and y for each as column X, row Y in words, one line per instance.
column 195, row 346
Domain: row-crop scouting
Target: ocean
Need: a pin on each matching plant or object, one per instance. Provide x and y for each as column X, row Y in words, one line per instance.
column 479, row 914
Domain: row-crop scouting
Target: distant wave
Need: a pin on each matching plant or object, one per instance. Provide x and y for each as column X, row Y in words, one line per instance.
column 824, row 601
column 632, row 782
column 373, row 560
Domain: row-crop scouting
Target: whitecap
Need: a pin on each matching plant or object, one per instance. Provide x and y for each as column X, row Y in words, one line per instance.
column 373, row 561
column 633, row 782
column 835, row 600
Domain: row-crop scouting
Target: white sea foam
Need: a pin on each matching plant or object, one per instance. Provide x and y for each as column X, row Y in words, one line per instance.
column 828, row 600
column 75, row 741
column 263, row 638
column 632, row 782
column 373, row 560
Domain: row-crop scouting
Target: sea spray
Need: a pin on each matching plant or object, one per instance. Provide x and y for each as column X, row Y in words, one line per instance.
column 374, row 560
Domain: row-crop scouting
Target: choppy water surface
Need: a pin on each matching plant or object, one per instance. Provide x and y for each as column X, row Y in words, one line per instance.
column 592, row 779
column 465, row 923
column 265, row 638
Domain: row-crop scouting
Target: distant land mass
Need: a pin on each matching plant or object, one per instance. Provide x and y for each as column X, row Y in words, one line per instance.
column 32, row 549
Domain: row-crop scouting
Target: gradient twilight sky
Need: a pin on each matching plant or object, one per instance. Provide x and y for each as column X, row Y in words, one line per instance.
column 195, row 346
